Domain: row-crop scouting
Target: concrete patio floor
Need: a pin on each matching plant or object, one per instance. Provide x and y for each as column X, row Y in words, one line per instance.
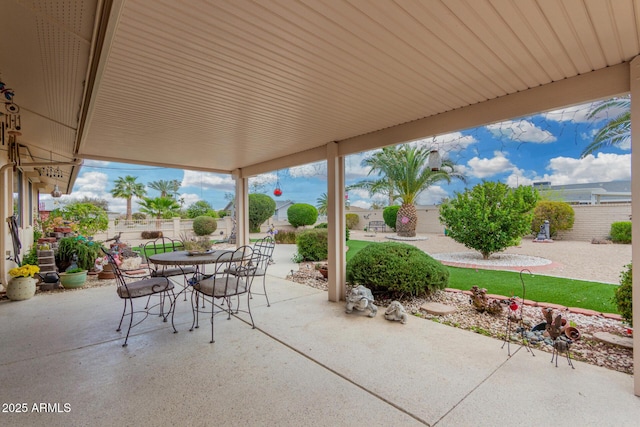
column 307, row 363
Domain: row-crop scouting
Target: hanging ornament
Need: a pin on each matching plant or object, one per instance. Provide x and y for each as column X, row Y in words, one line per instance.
column 277, row 191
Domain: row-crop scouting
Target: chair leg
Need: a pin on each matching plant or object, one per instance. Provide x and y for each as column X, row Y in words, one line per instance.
column 130, row 322
column 124, row 310
column 264, row 287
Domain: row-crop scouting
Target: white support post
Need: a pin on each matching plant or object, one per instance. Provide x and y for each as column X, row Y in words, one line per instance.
column 635, row 206
column 242, row 208
column 336, row 223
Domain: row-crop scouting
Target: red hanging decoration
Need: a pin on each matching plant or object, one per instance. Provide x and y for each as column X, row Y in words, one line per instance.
column 278, row 191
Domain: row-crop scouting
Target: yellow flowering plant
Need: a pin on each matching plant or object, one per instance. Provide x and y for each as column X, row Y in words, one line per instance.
column 26, row 270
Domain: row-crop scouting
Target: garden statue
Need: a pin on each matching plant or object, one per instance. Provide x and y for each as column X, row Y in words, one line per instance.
column 74, row 263
column 396, row 312
column 482, row 303
column 544, row 233
column 554, row 326
column 361, row 299
column 561, row 345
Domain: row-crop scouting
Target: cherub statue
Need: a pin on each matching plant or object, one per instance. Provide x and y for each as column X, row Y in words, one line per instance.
column 396, row 312
column 361, row 299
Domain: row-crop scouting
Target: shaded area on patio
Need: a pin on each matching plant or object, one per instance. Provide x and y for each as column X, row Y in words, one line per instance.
column 308, row 363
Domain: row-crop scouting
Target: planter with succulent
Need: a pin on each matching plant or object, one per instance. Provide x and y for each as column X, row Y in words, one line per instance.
column 323, row 269
column 22, row 285
column 73, row 278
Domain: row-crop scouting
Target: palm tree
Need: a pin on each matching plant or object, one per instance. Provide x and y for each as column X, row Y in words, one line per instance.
column 160, row 207
column 321, row 204
column 616, row 131
column 166, row 188
column 405, row 175
column 127, row 188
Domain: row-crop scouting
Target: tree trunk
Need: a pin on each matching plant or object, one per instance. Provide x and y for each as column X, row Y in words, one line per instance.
column 406, row 221
column 129, row 214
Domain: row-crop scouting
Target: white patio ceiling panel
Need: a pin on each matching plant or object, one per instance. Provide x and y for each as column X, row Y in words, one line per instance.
column 221, row 84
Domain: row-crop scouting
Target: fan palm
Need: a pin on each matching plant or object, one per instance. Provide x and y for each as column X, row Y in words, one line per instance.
column 616, row 131
column 322, row 203
column 404, row 176
column 127, row 188
column 160, row 207
column 166, row 188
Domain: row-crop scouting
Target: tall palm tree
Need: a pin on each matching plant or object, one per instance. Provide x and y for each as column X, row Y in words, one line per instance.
column 616, row 131
column 405, row 175
column 160, row 207
column 322, row 203
column 166, row 188
column 127, row 188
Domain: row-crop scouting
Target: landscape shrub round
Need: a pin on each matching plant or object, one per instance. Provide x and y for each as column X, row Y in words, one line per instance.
column 300, row 214
column 623, row 293
column 352, row 220
column 560, row 215
column 204, row 225
column 621, row 232
column 396, row 268
column 390, row 215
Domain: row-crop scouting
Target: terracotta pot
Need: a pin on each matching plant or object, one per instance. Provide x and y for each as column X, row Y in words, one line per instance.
column 324, row 272
column 572, row 333
column 21, row 288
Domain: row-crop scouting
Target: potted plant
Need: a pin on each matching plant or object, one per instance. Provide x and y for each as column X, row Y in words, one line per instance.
column 22, row 285
column 73, row 278
column 323, row 269
column 86, row 252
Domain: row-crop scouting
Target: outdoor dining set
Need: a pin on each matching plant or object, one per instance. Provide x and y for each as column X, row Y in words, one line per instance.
column 215, row 291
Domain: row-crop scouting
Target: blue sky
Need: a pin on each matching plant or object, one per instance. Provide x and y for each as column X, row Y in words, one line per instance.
column 544, row 147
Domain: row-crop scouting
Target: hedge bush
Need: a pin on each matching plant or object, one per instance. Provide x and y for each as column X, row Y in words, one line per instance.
column 261, row 208
column 560, row 215
column 622, row 296
column 204, row 225
column 621, row 232
column 285, row 236
column 301, row 214
column 322, row 225
column 390, row 215
column 313, row 245
column 352, row 220
column 396, row 268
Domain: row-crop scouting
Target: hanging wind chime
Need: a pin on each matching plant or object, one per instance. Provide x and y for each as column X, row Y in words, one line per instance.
column 277, row 191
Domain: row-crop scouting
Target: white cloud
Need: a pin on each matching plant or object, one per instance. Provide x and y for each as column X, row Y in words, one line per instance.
column 518, row 177
column 208, row 180
column 602, row 168
column 361, row 204
column 318, row 169
column 579, row 113
column 358, row 193
column 521, row 131
column 189, row 199
column 482, row 168
column 432, row 195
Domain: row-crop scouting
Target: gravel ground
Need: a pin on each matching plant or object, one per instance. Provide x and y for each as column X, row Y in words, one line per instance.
column 586, row 349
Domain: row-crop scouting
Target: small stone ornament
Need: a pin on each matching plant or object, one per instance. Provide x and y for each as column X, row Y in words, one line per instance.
column 396, row 312
column 361, row 299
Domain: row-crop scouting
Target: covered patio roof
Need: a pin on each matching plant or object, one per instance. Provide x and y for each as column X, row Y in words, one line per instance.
column 246, row 87
column 254, row 86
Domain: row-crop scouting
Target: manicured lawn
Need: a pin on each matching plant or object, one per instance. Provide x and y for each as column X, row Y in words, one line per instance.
column 567, row 292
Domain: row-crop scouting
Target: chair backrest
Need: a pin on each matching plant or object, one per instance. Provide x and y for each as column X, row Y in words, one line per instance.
column 265, row 247
column 238, row 261
column 161, row 245
column 120, row 282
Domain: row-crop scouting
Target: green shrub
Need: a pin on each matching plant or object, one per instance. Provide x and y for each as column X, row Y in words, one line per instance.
column 489, row 217
column 285, row 236
column 87, row 252
column 301, row 214
column 623, row 293
column 352, row 220
column 204, row 225
column 137, row 216
column 261, row 208
column 559, row 214
column 201, row 208
column 88, row 218
column 322, row 225
column 390, row 215
column 325, row 225
column 31, row 257
column 396, row 268
column 313, row 245
column 621, row 232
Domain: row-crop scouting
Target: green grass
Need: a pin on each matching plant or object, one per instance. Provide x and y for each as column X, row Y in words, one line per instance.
column 567, row 292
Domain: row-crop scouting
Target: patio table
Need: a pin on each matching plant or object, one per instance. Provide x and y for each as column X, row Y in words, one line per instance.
column 186, row 258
